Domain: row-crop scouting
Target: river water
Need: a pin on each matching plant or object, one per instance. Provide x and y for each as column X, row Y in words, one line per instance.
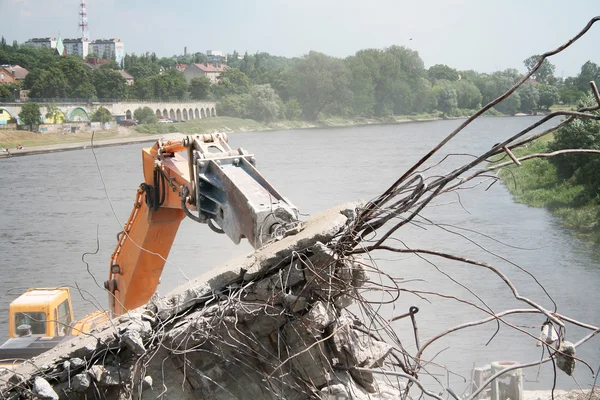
column 54, row 207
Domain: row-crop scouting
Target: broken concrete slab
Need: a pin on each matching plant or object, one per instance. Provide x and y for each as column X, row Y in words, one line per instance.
column 257, row 327
column 323, row 227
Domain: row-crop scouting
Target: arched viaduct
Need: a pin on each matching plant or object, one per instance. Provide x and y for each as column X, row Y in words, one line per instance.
column 122, row 110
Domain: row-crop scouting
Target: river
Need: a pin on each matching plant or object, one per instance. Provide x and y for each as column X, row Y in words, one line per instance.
column 55, row 206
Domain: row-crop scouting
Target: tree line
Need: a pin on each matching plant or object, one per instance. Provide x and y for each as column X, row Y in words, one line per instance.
column 373, row 83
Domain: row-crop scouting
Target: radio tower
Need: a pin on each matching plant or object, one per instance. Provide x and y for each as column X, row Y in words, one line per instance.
column 83, row 22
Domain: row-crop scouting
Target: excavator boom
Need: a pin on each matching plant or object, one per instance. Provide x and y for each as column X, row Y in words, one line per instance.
column 202, row 178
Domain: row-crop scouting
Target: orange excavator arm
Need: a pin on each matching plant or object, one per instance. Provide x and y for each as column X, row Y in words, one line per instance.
column 202, row 178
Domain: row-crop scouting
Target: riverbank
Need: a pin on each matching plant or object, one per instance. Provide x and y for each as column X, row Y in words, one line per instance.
column 537, row 184
column 36, row 143
column 230, row 124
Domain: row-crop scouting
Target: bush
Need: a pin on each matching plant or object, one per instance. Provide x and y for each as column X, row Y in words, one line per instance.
column 145, row 116
column 292, row 110
column 263, row 103
column 234, row 106
column 30, row 114
column 101, row 115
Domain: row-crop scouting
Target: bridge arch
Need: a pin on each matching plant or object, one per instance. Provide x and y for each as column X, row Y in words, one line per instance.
column 171, row 114
column 197, row 113
column 165, row 113
column 203, row 113
column 213, row 113
column 158, row 113
column 106, row 112
column 178, row 114
column 191, row 114
column 128, row 114
column 79, row 114
column 57, row 118
column 184, row 115
column 5, row 115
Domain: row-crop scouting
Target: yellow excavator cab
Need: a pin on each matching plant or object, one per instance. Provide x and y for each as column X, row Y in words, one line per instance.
column 48, row 313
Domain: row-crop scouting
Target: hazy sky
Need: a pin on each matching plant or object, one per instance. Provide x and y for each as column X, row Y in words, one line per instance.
column 484, row 35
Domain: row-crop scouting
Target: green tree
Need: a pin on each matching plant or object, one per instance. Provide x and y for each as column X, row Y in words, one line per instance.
column 85, row 90
column 292, row 109
column 529, row 95
column 50, row 83
column 441, row 71
column 233, row 81
column 549, row 96
column 75, row 72
column 570, row 95
column 447, row 100
column 30, row 114
column 263, row 105
column 5, row 93
column 169, row 86
column 145, row 116
column 589, row 72
column 468, row 95
column 234, row 105
column 109, row 84
column 584, row 169
column 200, row 88
column 494, row 85
column 52, row 112
column 101, row 115
column 112, row 64
column 319, row 81
column 142, row 89
column 511, row 105
column 545, row 74
column 425, row 97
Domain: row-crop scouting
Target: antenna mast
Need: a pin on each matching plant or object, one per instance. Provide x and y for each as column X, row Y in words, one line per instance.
column 83, row 21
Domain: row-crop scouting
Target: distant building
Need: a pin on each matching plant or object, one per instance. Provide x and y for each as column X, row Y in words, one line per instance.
column 129, row 80
column 210, row 71
column 12, row 74
column 77, row 47
column 180, row 67
column 49, row 42
column 112, row 49
column 94, row 62
column 216, row 56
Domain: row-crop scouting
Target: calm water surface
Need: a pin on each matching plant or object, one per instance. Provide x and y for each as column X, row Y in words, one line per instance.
column 54, row 208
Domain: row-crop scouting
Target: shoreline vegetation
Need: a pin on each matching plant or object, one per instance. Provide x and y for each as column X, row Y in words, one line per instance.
column 11, row 138
column 538, row 183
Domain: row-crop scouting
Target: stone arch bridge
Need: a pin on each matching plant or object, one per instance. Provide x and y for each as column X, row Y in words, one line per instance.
column 82, row 111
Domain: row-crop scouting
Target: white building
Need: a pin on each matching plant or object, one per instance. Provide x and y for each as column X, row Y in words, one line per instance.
column 212, row 72
column 42, row 42
column 216, row 56
column 77, row 47
column 111, row 49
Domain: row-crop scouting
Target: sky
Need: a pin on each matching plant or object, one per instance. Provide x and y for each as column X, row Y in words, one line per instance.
column 483, row 35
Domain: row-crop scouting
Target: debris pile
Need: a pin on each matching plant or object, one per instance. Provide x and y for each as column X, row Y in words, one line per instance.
column 274, row 324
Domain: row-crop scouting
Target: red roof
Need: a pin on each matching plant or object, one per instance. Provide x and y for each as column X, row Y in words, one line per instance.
column 16, row 71
column 125, row 75
column 210, row 67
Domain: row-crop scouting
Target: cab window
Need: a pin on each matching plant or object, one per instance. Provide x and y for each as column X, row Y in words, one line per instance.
column 63, row 318
column 37, row 321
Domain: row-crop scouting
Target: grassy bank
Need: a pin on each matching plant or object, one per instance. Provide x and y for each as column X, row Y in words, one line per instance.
column 230, row 124
column 11, row 138
column 536, row 184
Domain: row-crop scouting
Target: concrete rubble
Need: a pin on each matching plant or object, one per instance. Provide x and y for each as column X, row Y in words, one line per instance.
column 273, row 324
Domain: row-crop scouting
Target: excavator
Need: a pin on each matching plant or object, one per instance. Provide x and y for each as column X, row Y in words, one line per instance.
column 199, row 177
